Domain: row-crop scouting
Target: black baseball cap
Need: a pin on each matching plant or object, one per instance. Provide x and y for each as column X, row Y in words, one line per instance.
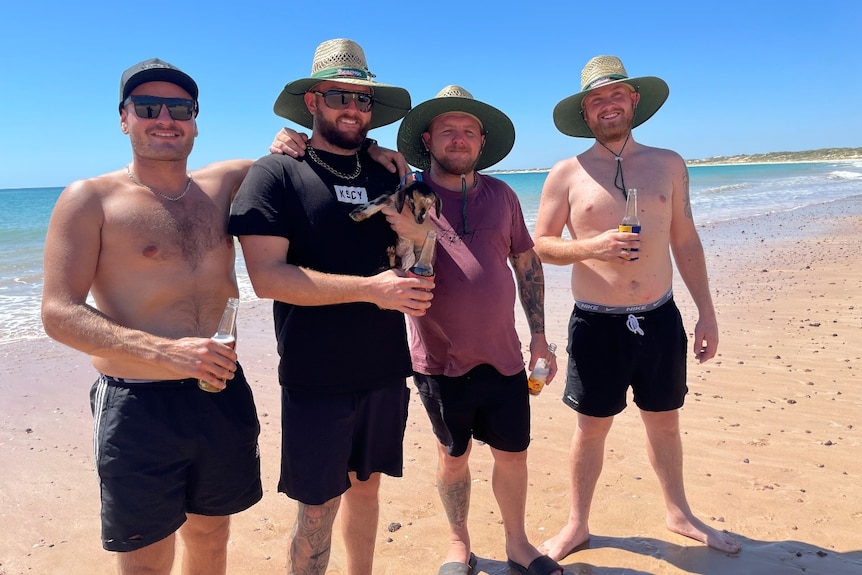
column 155, row 70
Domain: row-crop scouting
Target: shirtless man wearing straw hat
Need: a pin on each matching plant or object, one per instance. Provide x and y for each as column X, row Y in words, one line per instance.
column 625, row 329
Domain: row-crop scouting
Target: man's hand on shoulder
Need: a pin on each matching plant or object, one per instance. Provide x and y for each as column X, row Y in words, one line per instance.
column 289, row 143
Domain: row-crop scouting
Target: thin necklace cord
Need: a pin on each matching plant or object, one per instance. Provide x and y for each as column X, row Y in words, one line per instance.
column 618, row 177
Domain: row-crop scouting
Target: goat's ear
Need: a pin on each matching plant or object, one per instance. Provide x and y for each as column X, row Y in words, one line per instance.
column 438, row 205
column 398, row 200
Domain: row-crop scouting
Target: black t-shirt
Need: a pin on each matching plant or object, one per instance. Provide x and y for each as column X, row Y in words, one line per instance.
column 332, row 348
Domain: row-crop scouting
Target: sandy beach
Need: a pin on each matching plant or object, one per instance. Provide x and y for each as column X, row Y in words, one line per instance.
column 772, row 433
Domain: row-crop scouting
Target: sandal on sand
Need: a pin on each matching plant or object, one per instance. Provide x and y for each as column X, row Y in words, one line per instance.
column 541, row 565
column 458, row 568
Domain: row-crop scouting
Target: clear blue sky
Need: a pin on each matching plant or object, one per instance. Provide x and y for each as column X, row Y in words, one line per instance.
column 744, row 78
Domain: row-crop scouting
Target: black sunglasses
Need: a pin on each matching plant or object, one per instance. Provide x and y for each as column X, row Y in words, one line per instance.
column 149, row 107
column 340, row 99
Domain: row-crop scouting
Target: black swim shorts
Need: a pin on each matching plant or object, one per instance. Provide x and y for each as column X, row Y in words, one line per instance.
column 610, row 352
column 326, row 435
column 483, row 403
column 166, row 448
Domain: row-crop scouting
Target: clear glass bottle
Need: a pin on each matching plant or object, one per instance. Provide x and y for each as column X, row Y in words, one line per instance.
column 631, row 223
column 424, row 266
column 539, row 375
column 225, row 334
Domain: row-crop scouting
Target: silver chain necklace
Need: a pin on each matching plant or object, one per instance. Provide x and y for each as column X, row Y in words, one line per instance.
column 161, row 195
column 313, row 155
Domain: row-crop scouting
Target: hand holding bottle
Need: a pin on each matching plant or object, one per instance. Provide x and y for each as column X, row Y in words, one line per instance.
column 539, row 375
column 225, row 334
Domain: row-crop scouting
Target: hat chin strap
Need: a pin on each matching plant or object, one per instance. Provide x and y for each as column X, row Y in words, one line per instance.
column 464, row 197
column 464, row 186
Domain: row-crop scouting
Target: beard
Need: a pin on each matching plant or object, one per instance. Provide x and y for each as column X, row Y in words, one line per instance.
column 345, row 140
column 456, row 166
column 605, row 132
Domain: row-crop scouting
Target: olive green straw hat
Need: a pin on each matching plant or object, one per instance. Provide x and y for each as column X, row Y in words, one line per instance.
column 342, row 60
column 602, row 71
column 496, row 126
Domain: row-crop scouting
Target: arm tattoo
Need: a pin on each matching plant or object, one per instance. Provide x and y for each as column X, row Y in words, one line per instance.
column 687, row 197
column 531, row 288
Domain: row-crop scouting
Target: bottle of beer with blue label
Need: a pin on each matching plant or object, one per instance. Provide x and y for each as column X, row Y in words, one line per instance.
column 631, row 223
column 424, row 266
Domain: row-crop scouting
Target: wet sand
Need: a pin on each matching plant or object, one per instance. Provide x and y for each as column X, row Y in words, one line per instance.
column 772, row 432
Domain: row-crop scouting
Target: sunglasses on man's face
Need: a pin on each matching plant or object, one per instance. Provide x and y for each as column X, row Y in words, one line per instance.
column 340, row 99
column 149, row 107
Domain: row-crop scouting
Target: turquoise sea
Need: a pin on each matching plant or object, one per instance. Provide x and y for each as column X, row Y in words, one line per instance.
column 718, row 193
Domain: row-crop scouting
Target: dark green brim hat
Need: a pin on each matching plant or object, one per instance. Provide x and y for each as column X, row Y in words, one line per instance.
column 603, row 71
column 342, row 60
column 497, row 127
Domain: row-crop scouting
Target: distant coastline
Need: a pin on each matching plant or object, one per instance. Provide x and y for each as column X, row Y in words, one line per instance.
column 821, row 155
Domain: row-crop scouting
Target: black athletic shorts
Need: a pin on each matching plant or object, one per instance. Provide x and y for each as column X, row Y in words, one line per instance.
column 610, row 352
column 482, row 403
column 166, row 448
column 324, row 436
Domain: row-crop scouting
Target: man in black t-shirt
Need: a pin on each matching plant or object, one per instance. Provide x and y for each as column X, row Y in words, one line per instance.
column 337, row 305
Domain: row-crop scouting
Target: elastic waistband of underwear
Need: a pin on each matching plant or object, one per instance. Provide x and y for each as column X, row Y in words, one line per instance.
column 111, row 380
column 624, row 309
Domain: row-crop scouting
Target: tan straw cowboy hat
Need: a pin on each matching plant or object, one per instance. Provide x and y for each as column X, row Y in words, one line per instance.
column 496, row 126
column 601, row 71
column 342, row 60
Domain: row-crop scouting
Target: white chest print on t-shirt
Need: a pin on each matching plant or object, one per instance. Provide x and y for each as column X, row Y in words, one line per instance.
column 351, row 195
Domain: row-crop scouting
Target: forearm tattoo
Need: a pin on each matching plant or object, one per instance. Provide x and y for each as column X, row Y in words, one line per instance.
column 531, row 288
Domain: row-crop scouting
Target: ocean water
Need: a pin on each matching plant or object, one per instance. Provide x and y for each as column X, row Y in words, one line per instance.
column 718, row 193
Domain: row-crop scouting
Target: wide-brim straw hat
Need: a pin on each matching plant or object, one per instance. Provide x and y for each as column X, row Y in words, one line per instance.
column 496, row 126
column 342, row 60
column 602, row 71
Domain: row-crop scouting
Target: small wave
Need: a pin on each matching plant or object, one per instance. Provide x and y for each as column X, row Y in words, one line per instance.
column 843, row 175
column 726, row 188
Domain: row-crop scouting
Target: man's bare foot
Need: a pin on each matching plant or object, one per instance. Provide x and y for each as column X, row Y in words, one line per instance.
column 564, row 544
column 700, row 531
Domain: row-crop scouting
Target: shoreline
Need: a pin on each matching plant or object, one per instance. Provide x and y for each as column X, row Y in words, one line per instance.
column 771, row 433
column 706, row 162
column 691, row 163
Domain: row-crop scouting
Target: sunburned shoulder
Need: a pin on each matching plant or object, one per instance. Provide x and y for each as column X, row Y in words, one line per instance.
column 93, row 187
column 566, row 166
column 662, row 154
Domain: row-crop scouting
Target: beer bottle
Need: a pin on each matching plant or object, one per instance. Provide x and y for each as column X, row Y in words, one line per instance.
column 539, row 375
column 226, row 334
column 631, row 223
column 424, row 266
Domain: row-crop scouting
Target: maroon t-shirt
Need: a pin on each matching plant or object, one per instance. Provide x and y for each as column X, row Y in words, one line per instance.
column 471, row 320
